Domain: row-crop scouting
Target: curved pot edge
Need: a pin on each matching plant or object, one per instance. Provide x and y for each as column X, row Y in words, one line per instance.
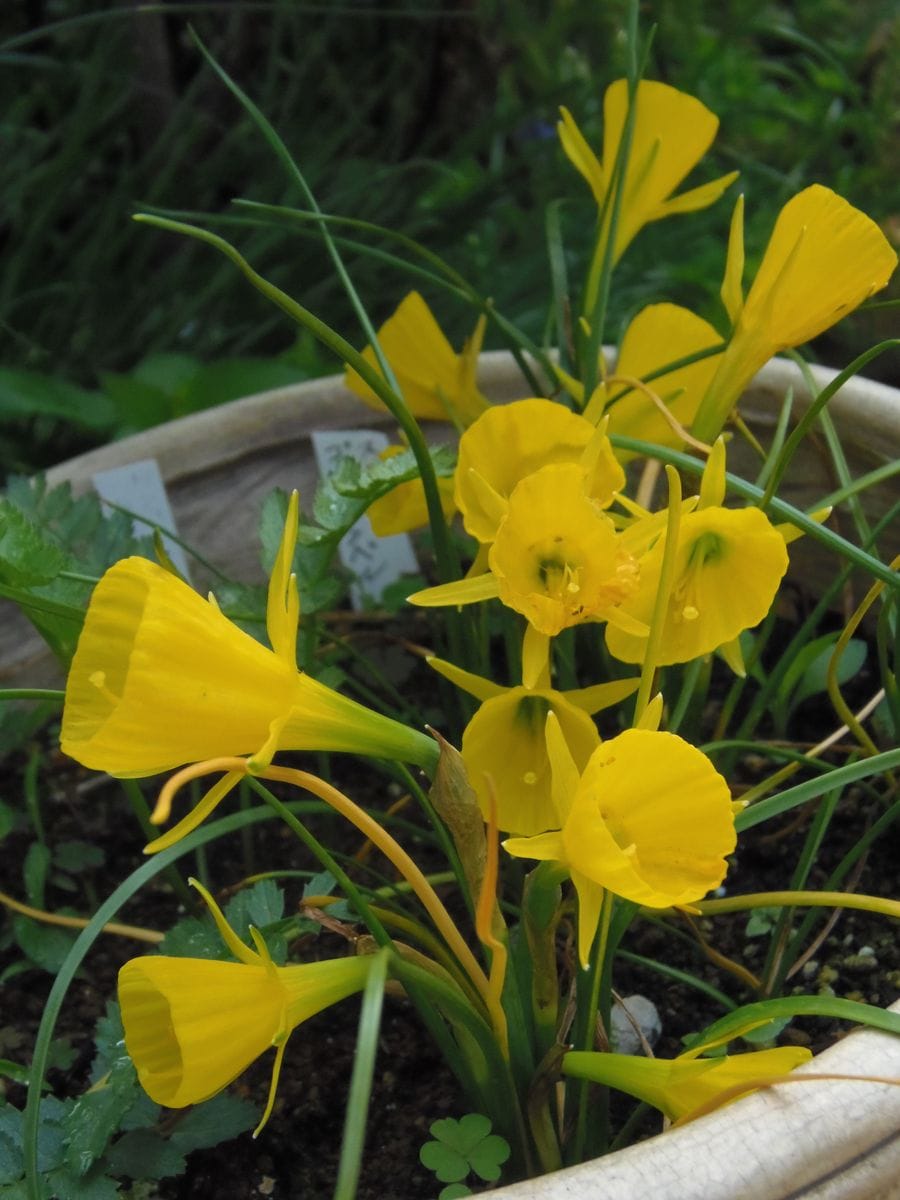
column 822, row 1140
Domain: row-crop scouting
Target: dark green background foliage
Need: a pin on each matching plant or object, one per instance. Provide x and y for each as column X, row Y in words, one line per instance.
column 434, row 118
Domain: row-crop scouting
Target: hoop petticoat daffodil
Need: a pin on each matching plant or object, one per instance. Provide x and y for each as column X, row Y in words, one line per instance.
column 161, row 678
column 436, row 383
column 193, row 1025
column 648, row 819
column 686, row 1086
column 824, row 258
column 671, row 133
column 510, row 441
column 557, row 558
column 504, row 745
column 658, row 335
column 728, row 566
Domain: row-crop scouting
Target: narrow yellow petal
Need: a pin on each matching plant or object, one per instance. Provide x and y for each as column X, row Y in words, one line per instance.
column 197, row 815
column 462, row 591
column 475, row 685
column 732, row 292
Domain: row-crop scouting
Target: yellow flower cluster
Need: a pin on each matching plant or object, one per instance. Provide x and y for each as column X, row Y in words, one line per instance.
column 161, row 677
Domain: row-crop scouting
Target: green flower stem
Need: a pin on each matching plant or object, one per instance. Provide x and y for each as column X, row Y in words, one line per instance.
column 663, row 593
column 141, row 810
column 490, row 1072
column 777, row 964
column 806, row 421
column 445, row 554
column 395, row 853
column 873, row 904
column 778, row 509
column 812, row 789
column 540, row 915
column 587, row 1025
column 871, row 835
column 48, row 694
column 351, row 891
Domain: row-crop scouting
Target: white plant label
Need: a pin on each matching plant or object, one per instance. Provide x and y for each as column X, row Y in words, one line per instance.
column 139, row 488
column 375, row 562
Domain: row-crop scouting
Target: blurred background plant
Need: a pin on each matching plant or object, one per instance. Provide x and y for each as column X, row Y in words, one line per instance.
column 431, row 117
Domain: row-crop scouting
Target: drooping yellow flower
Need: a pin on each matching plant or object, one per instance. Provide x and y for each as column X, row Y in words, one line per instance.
column 672, row 131
column 160, row 678
column 824, row 258
column 193, row 1025
column 649, row 819
column 686, row 1086
column 557, row 558
column 510, row 441
column 437, row 384
column 728, row 566
column 504, row 746
column 660, row 334
column 404, row 507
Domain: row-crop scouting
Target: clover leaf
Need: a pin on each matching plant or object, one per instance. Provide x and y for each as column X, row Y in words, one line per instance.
column 461, row 1147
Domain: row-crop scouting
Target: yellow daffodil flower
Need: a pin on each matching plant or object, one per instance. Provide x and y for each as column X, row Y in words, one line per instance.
column 436, row 383
column 649, row 819
column 511, row 441
column 824, row 258
column 686, row 1086
column 160, row 678
column 658, row 335
column 672, row 131
column 193, row 1025
column 404, row 508
column 728, row 566
column 504, row 745
column 557, row 558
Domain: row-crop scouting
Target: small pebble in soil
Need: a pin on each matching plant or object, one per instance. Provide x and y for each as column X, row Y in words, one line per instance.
column 810, row 968
column 644, row 1013
column 865, row 960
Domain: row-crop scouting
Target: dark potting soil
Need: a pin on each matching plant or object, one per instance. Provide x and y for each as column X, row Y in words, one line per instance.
column 296, row 1156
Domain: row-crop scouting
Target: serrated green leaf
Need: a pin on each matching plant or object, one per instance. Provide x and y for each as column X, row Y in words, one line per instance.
column 447, row 1165
column 260, row 905
column 51, row 1145
column 109, row 1042
column 47, row 946
column 145, row 1154
column 12, row 1164
column 193, row 937
column 96, row 1115
column 27, row 557
column 96, row 1185
column 14, row 1191
column 217, row 1120
column 318, row 584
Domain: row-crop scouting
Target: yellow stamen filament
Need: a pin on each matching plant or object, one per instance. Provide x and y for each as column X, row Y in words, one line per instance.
column 235, row 767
